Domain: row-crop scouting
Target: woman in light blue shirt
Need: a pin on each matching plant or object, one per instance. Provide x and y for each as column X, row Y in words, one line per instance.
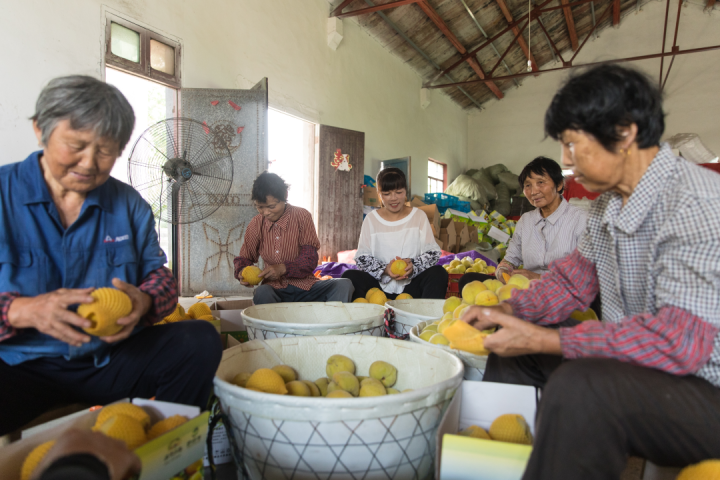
column 549, row 232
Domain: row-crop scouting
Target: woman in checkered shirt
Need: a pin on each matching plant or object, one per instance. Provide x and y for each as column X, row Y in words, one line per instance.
column 645, row 380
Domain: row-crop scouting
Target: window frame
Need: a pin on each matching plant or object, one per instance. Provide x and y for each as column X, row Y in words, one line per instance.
column 444, row 173
column 142, row 68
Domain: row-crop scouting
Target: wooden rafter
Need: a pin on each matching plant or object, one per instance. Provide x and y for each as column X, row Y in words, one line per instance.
column 520, row 39
column 570, row 21
column 376, row 8
column 472, row 61
column 340, row 7
column 616, row 12
column 710, row 4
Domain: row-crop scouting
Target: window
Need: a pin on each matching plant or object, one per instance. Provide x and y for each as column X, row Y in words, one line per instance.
column 437, row 176
column 139, row 51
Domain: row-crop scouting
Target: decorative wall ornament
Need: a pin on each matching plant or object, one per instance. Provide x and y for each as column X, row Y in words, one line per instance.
column 341, row 161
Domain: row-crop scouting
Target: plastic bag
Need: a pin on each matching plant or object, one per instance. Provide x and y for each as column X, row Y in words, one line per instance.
column 464, row 186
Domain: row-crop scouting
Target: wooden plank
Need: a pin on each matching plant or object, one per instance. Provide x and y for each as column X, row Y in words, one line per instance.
column 570, row 21
column 521, row 41
column 376, row 8
column 472, row 61
column 339, row 197
column 340, row 7
column 710, row 4
column 616, row 12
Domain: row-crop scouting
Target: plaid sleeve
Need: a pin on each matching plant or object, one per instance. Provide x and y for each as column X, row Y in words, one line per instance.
column 571, row 284
column 674, row 340
column 304, row 264
column 162, row 287
column 6, row 330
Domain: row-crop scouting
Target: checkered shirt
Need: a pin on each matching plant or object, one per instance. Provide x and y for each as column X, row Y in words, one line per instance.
column 655, row 263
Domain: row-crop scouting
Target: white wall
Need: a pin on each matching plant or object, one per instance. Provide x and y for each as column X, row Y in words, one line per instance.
column 232, row 44
column 511, row 131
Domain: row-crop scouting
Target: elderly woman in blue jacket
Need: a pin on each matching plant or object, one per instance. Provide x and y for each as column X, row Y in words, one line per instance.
column 66, row 228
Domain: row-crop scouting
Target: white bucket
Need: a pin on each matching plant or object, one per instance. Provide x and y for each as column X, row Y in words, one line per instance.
column 474, row 364
column 279, row 320
column 393, row 436
column 409, row 313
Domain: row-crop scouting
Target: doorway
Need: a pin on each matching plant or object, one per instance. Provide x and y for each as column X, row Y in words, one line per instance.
column 291, row 153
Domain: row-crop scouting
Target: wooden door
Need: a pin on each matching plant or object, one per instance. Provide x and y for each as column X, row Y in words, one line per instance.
column 338, row 191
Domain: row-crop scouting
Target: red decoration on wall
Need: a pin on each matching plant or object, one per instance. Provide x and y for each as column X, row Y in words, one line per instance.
column 234, row 105
column 206, row 128
column 341, row 161
column 240, row 129
column 214, row 103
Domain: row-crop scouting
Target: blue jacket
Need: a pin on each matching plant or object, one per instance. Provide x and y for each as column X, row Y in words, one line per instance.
column 114, row 236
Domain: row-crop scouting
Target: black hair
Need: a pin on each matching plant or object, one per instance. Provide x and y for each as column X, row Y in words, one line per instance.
column 606, row 97
column 389, row 179
column 269, row 184
column 543, row 166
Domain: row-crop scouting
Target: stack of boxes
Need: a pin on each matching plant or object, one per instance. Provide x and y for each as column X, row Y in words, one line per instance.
column 449, row 234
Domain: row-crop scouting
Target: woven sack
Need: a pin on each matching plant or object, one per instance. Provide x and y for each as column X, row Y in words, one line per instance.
column 409, row 313
column 474, row 364
column 494, row 170
column 281, row 436
column 510, row 180
column 312, row 319
column 502, row 205
column 486, row 184
column 466, row 187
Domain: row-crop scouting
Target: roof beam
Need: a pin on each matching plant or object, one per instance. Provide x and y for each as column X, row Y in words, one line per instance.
column 377, row 8
column 340, row 7
column 616, row 12
column 570, row 21
column 710, row 4
column 520, row 39
column 472, row 60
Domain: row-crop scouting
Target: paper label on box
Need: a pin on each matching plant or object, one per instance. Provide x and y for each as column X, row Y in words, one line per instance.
column 477, row 219
column 498, row 235
column 458, row 213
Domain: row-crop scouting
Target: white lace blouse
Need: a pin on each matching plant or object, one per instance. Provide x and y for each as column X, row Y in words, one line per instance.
column 381, row 241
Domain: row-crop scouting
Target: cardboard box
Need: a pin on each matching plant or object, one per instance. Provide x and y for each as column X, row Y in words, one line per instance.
column 448, row 237
column 418, row 201
column 231, row 324
column 433, row 216
column 473, row 233
column 463, row 236
column 370, row 197
column 460, row 458
column 439, row 243
column 162, row 457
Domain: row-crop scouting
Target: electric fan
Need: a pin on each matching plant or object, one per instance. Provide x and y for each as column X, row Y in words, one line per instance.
column 182, row 169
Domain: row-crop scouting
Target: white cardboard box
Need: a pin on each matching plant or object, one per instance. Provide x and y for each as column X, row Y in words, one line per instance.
column 161, row 458
column 479, row 403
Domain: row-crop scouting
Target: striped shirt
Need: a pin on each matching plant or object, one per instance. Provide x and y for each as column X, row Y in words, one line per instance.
column 291, row 240
column 655, row 263
column 537, row 241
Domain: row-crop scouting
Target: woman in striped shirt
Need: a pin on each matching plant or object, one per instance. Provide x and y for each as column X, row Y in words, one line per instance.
column 284, row 236
column 549, row 232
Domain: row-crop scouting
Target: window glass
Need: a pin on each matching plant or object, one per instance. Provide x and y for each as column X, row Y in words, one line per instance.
column 162, row 57
column 124, row 42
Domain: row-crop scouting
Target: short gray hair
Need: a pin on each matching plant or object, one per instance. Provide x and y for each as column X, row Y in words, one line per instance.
column 89, row 104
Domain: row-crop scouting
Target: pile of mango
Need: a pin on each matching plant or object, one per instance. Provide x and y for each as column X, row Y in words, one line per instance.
column 341, row 381
column 509, row 427
column 199, row 311
column 467, row 264
column 122, row 421
column 378, row 297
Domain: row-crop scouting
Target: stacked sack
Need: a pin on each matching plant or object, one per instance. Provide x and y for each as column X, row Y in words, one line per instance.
column 488, row 188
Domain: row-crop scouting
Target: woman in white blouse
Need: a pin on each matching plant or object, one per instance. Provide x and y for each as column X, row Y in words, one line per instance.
column 549, row 232
column 397, row 231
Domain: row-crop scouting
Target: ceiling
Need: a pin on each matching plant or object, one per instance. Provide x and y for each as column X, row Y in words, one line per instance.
column 484, row 41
